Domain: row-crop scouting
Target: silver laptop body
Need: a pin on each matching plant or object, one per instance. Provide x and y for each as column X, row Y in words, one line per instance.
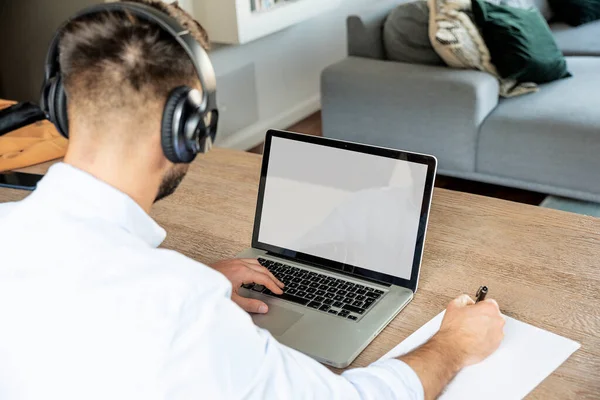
column 343, row 225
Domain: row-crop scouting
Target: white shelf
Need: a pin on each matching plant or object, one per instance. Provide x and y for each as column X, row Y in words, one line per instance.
column 234, row 22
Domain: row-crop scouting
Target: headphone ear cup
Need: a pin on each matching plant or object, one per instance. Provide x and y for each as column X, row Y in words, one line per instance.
column 60, row 101
column 172, row 127
column 54, row 104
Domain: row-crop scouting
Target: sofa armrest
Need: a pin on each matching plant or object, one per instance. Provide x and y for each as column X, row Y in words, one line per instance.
column 430, row 109
column 365, row 30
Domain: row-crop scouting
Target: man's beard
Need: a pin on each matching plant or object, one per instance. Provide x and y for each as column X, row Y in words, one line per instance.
column 171, row 180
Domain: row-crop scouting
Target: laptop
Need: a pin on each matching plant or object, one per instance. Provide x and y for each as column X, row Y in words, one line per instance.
column 343, row 226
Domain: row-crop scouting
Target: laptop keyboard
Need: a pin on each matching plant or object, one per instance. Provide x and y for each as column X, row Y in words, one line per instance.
column 330, row 295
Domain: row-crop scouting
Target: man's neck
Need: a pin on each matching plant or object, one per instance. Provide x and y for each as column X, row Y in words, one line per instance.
column 123, row 173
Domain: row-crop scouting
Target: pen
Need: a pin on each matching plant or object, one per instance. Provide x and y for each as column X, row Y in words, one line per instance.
column 481, row 293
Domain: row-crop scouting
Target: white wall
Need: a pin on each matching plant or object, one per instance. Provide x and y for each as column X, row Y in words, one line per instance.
column 287, row 65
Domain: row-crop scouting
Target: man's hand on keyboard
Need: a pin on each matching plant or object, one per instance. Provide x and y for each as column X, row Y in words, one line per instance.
column 244, row 271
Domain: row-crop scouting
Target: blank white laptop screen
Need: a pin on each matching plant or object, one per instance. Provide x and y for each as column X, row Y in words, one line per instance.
column 354, row 208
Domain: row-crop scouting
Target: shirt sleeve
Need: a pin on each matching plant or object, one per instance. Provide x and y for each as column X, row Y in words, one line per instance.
column 223, row 355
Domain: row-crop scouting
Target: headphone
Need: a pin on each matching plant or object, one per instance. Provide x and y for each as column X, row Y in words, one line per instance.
column 189, row 120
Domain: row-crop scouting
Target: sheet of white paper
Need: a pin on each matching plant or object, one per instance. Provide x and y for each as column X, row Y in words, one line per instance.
column 525, row 358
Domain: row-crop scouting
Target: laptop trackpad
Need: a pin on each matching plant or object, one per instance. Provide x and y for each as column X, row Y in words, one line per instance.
column 278, row 320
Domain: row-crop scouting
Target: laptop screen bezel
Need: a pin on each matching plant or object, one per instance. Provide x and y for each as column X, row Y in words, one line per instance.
column 347, row 269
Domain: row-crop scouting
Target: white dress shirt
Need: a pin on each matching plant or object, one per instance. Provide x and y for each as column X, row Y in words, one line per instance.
column 91, row 308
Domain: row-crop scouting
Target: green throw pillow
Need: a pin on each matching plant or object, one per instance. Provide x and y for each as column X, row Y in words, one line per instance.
column 520, row 43
column 576, row 12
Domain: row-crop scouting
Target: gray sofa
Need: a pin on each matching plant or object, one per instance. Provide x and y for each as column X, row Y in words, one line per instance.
column 547, row 141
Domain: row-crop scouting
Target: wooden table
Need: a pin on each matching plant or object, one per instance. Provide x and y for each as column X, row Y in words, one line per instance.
column 542, row 266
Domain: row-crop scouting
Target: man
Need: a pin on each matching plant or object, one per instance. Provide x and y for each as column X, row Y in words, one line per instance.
column 91, row 308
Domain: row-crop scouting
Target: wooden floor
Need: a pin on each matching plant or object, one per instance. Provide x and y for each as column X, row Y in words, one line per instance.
column 312, row 125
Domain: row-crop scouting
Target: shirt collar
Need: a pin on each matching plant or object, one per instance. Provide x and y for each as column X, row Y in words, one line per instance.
column 77, row 188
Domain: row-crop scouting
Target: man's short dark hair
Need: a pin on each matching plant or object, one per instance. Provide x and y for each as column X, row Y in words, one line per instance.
column 115, row 60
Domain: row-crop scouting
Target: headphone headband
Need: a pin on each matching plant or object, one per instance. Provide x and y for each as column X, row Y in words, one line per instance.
column 193, row 49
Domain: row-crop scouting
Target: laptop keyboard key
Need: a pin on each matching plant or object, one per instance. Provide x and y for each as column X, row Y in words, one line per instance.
column 338, row 304
column 338, row 297
column 302, row 287
column 320, row 293
column 361, row 291
column 329, row 295
column 292, row 298
column 341, row 292
column 373, row 295
column 306, row 282
column 360, row 297
column 310, row 296
column 323, row 287
column 343, row 313
column 328, row 301
column 292, row 291
column 258, row 288
column 378, row 291
column 348, row 300
column 314, row 284
column 351, row 295
column 357, row 303
column 331, row 289
column 297, row 280
column 354, row 309
column 301, row 293
column 314, row 304
column 319, row 298
column 332, row 312
column 352, row 317
column 311, row 290
column 324, row 308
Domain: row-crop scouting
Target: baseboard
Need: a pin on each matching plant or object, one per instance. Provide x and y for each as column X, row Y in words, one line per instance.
column 254, row 135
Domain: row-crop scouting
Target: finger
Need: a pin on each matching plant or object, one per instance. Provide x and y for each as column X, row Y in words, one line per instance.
column 462, row 301
column 263, row 279
column 492, row 304
column 263, row 270
column 250, row 305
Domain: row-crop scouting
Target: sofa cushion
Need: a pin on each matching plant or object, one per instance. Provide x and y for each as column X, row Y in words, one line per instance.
column 455, row 37
column 542, row 5
column 406, row 35
column 551, row 137
column 520, row 43
column 582, row 40
column 576, row 12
